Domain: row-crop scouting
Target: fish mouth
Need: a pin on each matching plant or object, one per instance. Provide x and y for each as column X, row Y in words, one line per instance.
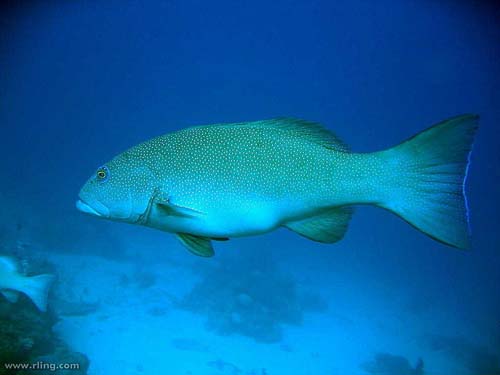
column 84, row 207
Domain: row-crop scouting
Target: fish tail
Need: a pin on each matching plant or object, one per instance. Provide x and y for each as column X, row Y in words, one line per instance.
column 37, row 289
column 430, row 171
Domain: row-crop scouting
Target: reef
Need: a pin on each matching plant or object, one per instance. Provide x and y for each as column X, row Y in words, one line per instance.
column 246, row 294
column 140, row 279
column 477, row 359
column 26, row 336
column 389, row 364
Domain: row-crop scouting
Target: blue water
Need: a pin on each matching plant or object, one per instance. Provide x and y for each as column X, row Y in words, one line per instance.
column 82, row 81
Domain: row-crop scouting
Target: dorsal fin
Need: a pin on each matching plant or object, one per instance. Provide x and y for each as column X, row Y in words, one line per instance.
column 312, row 131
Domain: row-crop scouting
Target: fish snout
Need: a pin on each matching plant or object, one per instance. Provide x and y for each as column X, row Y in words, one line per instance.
column 97, row 209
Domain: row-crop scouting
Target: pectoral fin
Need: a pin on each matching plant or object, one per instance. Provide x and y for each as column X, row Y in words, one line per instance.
column 171, row 209
column 328, row 227
column 11, row 295
column 200, row 246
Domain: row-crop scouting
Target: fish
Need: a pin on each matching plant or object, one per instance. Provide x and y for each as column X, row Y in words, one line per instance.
column 13, row 282
column 217, row 182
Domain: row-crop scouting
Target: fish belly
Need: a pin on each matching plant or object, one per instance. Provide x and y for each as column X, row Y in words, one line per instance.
column 229, row 220
column 245, row 219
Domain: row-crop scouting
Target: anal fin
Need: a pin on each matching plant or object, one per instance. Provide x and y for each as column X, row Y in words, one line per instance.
column 200, row 246
column 328, row 227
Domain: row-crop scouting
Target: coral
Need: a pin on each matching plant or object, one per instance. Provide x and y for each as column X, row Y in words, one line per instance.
column 478, row 360
column 388, row 364
column 248, row 295
column 26, row 334
column 144, row 279
column 140, row 279
column 23, row 331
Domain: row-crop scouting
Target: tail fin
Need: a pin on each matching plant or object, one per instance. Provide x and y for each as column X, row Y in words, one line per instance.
column 37, row 289
column 431, row 172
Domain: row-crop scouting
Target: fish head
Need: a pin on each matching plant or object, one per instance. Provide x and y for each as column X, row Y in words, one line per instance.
column 120, row 190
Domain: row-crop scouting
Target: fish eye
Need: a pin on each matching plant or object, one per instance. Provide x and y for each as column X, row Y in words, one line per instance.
column 102, row 174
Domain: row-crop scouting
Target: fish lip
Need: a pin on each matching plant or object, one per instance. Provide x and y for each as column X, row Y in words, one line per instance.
column 85, row 208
